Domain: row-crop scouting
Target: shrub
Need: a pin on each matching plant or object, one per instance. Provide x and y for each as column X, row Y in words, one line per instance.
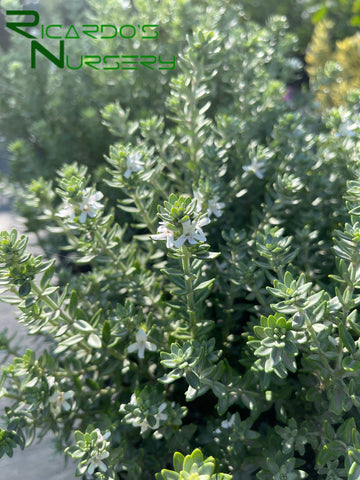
column 333, row 72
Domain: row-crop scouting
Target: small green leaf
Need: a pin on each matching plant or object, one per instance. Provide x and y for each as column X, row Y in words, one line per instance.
column 85, row 259
column 355, row 455
column 355, row 22
column 354, row 472
column 331, row 451
column 47, row 276
column 50, row 290
column 72, row 340
column 207, row 255
column 204, row 285
column 345, row 430
column 197, row 456
column 94, row 341
column 73, row 303
column 78, row 454
column 106, row 332
column 24, row 289
column 178, row 461
column 350, row 365
column 169, row 475
column 346, row 338
column 219, row 389
column 79, row 436
column 192, row 379
column 83, row 326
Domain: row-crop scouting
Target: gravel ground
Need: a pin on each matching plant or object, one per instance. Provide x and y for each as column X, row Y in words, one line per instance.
column 38, row 462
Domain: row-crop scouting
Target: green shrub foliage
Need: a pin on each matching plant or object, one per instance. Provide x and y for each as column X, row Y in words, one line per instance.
column 197, row 297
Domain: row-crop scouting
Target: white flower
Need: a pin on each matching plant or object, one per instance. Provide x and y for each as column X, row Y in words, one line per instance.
column 90, row 204
column 101, row 441
column 132, row 402
column 96, row 461
column 256, row 168
column 215, row 207
column 144, row 424
column 192, row 232
column 226, row 424
column 140, row 421
column 134, row 164
column 68, row 210
column 135, row 422
column 141, row 344
column 59, row 401
column 160, row 416
column 164, row 233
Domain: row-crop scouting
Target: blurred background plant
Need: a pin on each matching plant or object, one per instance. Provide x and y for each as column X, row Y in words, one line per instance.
column 51, row 116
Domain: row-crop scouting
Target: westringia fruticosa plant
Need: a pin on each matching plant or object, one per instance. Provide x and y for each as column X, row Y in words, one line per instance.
column 197, row 299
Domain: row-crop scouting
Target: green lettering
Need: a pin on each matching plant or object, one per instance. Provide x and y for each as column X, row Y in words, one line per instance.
column 91, row 63
column 117, row 63
column 36, row 46
column 155, row 32
column 163, row 63
column 15, row 25
column 148, row 62
column 68, row 32
column 127, row 26
column 52, row 26
column 107, row 26
column 89, row 32
column 74, row 68
column 132, row 61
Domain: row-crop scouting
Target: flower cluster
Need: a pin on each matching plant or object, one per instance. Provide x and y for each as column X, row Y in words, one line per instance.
column 180, row 223
column 99, row 453
column 142, row 412
column 88, row 206
column 93, row 448
column 213, row 204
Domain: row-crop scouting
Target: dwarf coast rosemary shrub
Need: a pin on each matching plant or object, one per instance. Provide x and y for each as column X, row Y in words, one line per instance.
column 202, row 322
column 197, row 297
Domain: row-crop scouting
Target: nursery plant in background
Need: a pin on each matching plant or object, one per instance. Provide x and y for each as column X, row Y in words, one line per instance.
column 197, row 297
column 51, row 116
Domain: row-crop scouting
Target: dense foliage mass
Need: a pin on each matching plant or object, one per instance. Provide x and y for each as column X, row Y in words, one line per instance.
column 198, row 291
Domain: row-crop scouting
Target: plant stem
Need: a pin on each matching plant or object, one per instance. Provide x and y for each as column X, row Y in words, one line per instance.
column 50, row 303
column 148, row 221
column 107, row 250
column 68, row 232
column 54, row 307
column 191, row 309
